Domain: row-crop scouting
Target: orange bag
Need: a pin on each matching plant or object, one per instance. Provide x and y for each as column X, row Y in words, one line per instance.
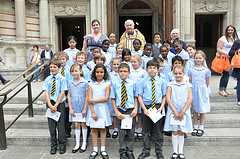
column 218, row 63
column 227, row 66
column 235, row 63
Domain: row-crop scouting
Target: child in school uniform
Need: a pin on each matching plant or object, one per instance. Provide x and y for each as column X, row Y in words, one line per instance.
column 107, row 54
column 177, row 60
column 81, row 59
column 199, row 76
column 190, row 62
column 157, row 37
column 77, row 99
column 72, row 50
column 124, row 100
column 98, row 95
column 177, row 45
column 147, row 55
column 151, row 95
column 113, row 46
column 167, row 60
column 116, row 61
column 137, row 45
column 120, row 48
column 136, row 75
column 160, row 62
column 168, row 44
column 126, row 56
column 55, row 86
column 65, row 71
column 179, row 98
column 91, row 64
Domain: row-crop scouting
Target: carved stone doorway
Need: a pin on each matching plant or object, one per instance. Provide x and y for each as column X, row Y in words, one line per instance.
column 71, row 26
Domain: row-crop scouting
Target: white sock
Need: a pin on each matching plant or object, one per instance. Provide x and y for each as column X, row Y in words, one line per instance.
column 175, row 143
column 180, row 144
column 201, row 127
column 136, row 130
column 84, row 143
column 77, row 134
column 195, row 127
column 116, row 129
column 103, row 148
column 95, row 149
column 139, row 130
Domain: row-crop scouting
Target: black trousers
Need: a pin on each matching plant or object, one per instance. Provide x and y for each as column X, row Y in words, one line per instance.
column 148, row 126
column 126, row 136
column 67, row 123
column 59, row 125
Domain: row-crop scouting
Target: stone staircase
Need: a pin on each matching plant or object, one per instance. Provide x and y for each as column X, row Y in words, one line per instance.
column 222, row 124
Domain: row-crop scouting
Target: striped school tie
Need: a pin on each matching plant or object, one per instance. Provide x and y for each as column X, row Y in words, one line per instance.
column 153, row 93
column 53, row 87
column 63, row 72
column 124, row 97
column 159, row 75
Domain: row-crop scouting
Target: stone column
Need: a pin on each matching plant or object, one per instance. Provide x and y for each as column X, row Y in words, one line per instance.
column 237, row 15
column 20, row 20
column 44, row 20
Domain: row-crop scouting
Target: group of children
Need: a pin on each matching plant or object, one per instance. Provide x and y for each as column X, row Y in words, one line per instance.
column 125, row 84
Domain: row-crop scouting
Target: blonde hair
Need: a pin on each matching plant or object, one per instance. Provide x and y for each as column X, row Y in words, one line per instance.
column 115, row 59
column 63, row 54
column 179, row 67
column 55, row 55
column 138, row 57
column 80, row 68
column 82, row 53
column 203, row 55
column 99, row 55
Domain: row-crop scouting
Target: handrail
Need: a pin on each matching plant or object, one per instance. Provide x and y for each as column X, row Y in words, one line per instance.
column 3, row 141
column 22, row 74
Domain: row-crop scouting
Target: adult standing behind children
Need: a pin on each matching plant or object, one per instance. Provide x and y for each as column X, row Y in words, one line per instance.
column 93, row 40
column 46, row 54
column 130, row 35
column 1, row 77
column 175, row 33
column 34, row 58
column 224, row 45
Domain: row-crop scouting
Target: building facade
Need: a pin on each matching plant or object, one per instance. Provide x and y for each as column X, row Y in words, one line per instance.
column 24, row 23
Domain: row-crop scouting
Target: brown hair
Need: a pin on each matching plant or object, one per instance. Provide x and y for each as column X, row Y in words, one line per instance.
column 99, row 55
column 35, row 46
column 95, row 20
column 235, row 36
column 55, row 62
column 80, row 68
column 63, row 54
column 115, row 59
column 82, row 53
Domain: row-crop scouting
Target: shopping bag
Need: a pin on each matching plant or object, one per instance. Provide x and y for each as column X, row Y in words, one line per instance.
column 218, row 63
column 235, row 63
column 227, row 65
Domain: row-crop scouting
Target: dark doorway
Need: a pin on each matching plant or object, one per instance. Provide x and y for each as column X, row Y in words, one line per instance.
column 71, row 26
column 208, row 29
column 142, row 23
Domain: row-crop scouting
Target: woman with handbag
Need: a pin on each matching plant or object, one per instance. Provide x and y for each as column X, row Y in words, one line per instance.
column 235, row 53
column 224, row 44
column 34, row 57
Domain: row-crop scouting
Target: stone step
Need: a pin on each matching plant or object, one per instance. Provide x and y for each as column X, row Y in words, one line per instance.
column 40, row 121
column 15, row 109
column 224, row 108
column 211, row 137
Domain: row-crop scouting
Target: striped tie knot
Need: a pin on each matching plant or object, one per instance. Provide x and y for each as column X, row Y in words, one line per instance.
column 153, row 93
column 63, row 72
column 159, row 75
column 53, row 86
column 124, row 96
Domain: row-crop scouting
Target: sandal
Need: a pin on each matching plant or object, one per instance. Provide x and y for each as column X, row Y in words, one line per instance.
column 181, row 156
column 200, row 133
column 223, row 93
column 194, row 133
column 228, row 93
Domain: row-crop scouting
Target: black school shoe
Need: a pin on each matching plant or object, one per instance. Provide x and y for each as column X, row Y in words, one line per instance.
column 194, row 132
column 200, row 133
column 185, row 135
column 174, row 156
column 93, row 155
column 104, row 154
column 115, row 134
column 181, row 156
column 62, row 149
column 53, row 150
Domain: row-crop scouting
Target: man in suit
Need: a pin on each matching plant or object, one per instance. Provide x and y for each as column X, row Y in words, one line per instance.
column 46, row 54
